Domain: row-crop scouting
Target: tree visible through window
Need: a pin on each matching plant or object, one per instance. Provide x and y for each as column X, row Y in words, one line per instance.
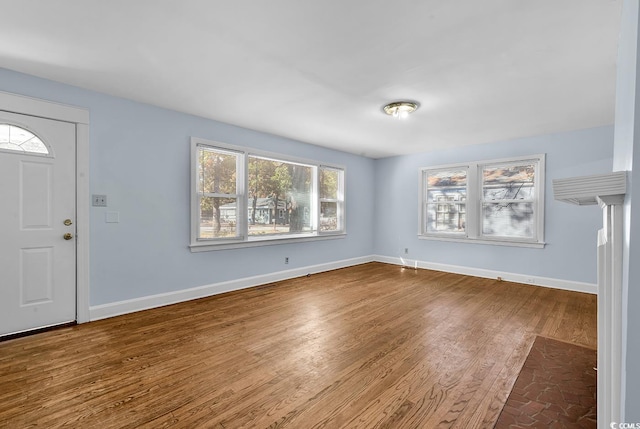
column 217, row 192
column 331, row 199
column 279, row 194
column 508, row 200
column 241, row 196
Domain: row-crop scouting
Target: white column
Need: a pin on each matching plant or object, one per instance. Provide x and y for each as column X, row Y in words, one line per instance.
column 609, row 310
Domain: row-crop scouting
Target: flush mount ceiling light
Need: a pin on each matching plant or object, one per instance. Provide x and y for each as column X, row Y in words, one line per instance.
column 400, row 109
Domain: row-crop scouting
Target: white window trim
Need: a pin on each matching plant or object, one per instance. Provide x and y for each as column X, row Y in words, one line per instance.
column 244, row 240
column 473, row 232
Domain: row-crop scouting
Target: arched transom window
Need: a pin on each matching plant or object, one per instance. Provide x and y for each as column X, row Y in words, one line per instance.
column 20, row 140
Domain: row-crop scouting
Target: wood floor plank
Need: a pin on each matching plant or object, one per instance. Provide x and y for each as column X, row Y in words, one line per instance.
column 371, row 346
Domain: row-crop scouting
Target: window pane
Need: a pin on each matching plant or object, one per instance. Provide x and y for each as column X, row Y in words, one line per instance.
column 446, row 197
column 446, row 217
column 218, row 217
column 328, row 216
column 511, row 182
column 329, row 183
column 279, row 197
column 457, row 178
column 508, row 219
column 217, row 173
column 447, row 185
column 20, row 140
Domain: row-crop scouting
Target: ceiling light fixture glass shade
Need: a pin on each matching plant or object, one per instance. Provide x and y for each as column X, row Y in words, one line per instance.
column 400, row 109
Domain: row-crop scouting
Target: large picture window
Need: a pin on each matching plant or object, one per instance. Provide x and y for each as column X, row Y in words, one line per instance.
column 242, row 196
column 500, row 202
column 280, row 197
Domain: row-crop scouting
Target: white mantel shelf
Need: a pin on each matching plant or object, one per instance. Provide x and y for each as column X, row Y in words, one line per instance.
column 586, row 190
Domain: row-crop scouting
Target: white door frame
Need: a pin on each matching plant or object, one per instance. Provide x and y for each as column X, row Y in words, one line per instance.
column 15, row 103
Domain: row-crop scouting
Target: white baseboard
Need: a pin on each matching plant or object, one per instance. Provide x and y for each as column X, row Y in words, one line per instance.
column 490, row 274
column 104, row 311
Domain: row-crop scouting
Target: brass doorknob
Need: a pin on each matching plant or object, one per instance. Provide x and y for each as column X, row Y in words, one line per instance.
column 67, row 222
column 67, row 236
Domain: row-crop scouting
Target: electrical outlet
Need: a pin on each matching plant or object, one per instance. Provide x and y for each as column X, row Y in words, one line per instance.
column 406, row 250
column 99, row 200
column 286, row 259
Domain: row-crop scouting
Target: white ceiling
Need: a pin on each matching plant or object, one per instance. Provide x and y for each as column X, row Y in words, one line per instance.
column 320, row 71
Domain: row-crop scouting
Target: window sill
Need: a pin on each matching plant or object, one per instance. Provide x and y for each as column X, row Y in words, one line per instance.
column 512, row 243
column 208, row 247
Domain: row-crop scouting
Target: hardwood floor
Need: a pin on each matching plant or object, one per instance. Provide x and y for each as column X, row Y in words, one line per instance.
column 372, row 346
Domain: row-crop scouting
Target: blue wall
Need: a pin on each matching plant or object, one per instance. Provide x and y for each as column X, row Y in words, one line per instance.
column 570, row 231
column 139, row 158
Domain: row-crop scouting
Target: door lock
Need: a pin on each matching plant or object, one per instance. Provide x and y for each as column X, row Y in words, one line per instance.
column 67, row 222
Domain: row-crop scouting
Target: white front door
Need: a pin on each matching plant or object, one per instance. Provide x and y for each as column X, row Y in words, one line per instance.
column 37, row 222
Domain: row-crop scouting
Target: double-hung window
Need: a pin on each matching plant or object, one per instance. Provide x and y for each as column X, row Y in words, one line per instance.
column 331, row 199
column 497, row 202
column 446, row 200
column 218, row 193
column 241, row 196
column 508, row 200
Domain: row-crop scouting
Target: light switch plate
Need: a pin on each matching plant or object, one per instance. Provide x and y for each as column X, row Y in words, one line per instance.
column 99, row 200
